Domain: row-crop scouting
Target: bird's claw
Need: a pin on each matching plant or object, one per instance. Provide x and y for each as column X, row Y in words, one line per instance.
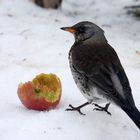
column 99, row 108
column 75, row 109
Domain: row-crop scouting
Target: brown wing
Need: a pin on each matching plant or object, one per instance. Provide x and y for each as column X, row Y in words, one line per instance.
column 101, row 64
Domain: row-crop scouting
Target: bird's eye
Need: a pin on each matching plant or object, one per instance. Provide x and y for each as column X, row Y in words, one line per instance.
column 81, row 29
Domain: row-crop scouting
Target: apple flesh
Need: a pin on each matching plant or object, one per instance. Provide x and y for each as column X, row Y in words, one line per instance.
column 42, row 93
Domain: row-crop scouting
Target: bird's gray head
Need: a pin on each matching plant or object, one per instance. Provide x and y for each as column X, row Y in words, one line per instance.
column 85, row 30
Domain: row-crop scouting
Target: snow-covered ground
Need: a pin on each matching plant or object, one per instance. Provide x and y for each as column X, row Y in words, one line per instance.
column 32, row 43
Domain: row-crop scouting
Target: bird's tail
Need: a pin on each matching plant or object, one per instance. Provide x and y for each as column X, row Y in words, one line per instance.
column 134, row 114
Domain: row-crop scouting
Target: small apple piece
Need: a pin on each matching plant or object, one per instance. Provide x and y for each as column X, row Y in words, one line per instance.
column 42, row 93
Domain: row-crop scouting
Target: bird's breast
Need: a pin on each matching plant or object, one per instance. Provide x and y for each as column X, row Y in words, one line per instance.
column 88, row 90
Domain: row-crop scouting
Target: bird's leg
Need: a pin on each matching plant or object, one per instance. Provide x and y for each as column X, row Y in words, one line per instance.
column 77, row 108
column 99, row 108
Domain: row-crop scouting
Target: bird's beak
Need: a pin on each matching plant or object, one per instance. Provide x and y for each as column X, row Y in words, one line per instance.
column 69, row 29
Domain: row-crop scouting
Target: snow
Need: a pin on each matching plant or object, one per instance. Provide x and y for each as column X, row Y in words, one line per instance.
column 31, row 42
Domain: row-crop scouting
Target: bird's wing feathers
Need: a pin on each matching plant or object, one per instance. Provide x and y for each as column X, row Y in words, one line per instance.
column 125, row 84
column 103, row 68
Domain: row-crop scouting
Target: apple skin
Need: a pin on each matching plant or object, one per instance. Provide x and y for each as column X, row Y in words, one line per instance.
column 43, row 93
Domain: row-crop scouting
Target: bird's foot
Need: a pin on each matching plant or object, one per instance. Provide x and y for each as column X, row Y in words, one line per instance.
column 77, row 108
column 99, row 108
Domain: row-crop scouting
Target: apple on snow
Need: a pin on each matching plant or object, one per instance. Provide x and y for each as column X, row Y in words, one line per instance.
column 42, row 93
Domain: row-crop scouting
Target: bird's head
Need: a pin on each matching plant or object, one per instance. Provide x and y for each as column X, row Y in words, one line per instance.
column 85, row 30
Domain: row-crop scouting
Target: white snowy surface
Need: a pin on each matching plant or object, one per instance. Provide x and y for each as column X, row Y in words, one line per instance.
column 32, row 43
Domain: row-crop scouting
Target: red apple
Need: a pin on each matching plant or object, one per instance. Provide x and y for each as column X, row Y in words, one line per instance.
column 42, row 93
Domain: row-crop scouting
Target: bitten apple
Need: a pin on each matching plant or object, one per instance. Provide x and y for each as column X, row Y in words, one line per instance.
column 42, row 93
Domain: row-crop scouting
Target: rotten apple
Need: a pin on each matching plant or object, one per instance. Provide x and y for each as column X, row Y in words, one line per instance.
column 42, row 93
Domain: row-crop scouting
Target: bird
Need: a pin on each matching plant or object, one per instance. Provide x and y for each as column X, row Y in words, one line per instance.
column 98, row 72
